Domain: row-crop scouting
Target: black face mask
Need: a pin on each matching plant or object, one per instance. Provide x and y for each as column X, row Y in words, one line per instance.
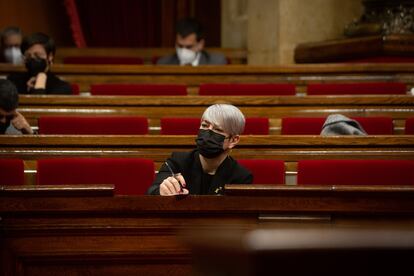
column 36, row 65
column 210, row 143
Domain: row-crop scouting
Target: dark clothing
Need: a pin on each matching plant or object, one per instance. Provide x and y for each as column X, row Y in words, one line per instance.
column 54, row 85
column 197, row 181
column 205, row 59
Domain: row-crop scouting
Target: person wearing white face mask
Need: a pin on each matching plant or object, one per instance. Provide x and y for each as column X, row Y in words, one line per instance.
column 11, row 39
column 189, row 44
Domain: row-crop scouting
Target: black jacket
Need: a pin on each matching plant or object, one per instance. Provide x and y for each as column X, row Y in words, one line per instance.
column 189, row 165
column 54, row 85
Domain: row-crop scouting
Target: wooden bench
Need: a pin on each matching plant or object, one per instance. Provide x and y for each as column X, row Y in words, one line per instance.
column 396, row 106
column 300, row 75
column 236, row 56
column 45, row 233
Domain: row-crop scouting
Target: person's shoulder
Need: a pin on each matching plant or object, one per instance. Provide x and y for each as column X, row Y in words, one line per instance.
column 243, row 174
column 215, row 58
column 57, row 85
column 182, row 156
column 168, row 60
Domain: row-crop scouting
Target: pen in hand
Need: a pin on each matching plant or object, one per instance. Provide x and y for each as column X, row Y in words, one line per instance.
column 174, row 175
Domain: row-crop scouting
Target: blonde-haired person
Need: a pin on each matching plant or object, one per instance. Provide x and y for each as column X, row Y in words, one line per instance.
column 209, row 167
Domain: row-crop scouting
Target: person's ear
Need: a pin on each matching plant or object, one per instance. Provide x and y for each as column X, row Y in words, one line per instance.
column 233, row 141
column 50, row 58
column 201, row 44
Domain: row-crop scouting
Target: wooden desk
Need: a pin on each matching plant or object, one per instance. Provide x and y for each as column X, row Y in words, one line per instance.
column 44, row 234
column 397, row 107
column 85, row 75
column 236, row 56
column 159, row 147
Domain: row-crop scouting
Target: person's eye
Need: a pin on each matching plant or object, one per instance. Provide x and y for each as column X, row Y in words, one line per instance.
column 218, row 130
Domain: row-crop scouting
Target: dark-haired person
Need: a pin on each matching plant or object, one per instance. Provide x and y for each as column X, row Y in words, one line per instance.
column 205, row 170
column 11, row 39
column 11, row 121
column 189, row 44
column 38, row 52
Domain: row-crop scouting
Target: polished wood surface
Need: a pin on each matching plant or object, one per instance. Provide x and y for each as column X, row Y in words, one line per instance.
column 159, row 147
column 299, row 74
column 237, row 56
column 397, row 107
column 44, row 234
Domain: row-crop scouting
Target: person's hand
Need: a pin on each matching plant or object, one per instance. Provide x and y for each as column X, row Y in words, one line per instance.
column 31, row 83
column 40, row 81
column 20, row 123
column 171, row 186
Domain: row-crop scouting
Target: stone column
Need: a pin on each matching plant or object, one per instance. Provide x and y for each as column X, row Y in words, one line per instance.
column 275, row 27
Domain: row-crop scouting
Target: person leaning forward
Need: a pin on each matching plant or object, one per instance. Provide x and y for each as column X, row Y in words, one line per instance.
column 206, row 169
column 38, row 53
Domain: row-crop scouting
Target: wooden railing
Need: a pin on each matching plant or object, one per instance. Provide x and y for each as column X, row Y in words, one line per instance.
column 236, row 56
column 159, row 147
column 85, row 75
column 397, row 107
column 45, row 233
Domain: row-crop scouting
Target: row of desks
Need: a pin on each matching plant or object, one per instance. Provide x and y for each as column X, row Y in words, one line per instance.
column 159, row 147
column 299, row 74
column 47, row 231
column 397, row 107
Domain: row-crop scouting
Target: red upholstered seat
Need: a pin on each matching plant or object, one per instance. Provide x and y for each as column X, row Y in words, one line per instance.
column 247, row 89
column 103, row 60
column 190, row 126
column 356, row 172
column 93, row 125
column 75, row 89
column 180, row 126
column 302, row 126
column 313, row 126
column 131, row 176
column 356, row 88
column 139, row 89
column 11, row 172
column 376, row 125
column 256, row 126
column 409, row 126
column 265, row 171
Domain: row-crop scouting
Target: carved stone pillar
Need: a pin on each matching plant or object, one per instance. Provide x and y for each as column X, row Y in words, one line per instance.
column 384, row 17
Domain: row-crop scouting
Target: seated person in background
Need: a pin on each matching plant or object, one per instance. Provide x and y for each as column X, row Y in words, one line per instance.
column 208, row 168
column 38, row 51
column 11, row 121
column 11, row 39
column 189, row 44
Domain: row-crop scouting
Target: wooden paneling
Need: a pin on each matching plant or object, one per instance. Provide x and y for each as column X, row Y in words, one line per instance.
column 47, row 235
column 48, row 16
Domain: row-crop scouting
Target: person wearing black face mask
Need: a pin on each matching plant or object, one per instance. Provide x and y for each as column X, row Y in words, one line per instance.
column 11, row 121
column 38, row 51
column 209, row 167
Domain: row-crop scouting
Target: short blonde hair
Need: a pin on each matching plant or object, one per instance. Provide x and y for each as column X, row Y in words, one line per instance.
column 227, row 116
